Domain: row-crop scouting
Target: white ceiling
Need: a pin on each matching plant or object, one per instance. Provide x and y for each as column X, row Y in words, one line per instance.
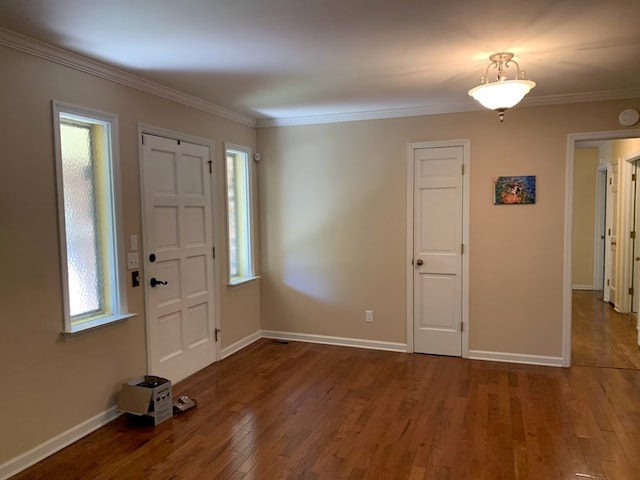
column 283, row 59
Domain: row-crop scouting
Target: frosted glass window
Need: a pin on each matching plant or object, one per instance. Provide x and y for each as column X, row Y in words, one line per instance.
column 87, row 185
column 239, row 215
column 83, row 245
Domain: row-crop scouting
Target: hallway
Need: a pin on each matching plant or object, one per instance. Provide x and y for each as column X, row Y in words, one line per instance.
column 601, row 337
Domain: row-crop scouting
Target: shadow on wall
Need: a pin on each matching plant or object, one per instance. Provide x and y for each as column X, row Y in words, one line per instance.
column 335, row 247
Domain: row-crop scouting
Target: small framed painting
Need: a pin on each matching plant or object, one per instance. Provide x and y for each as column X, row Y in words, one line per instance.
column 514, row 190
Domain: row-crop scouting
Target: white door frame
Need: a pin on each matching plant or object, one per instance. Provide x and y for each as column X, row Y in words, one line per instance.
column 572, row 138
column 163, row 132
column 411, row 147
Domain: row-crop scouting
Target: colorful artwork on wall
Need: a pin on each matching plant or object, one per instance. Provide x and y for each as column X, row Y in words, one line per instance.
column 519, row 190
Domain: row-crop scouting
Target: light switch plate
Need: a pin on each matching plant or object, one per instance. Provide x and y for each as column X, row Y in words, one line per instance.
column 132, row 260
column 134, row 243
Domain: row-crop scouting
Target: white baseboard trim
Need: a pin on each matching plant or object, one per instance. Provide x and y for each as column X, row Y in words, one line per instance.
column 515, row 358
column 240, row 344
column 57, row 443
column 582, row 287
column 327, row 340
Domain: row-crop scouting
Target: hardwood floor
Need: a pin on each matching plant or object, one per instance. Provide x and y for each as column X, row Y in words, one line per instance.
column 600, row 336
column 306, row 411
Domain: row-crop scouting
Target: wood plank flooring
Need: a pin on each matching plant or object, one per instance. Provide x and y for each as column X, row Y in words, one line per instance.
column 601, row 336
column 306, row 411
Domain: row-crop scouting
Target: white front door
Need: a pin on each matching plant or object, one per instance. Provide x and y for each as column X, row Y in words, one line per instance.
column 178, row 257
column 437, row 250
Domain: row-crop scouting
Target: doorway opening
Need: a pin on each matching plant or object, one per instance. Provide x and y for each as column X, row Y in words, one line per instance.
column 601, row 270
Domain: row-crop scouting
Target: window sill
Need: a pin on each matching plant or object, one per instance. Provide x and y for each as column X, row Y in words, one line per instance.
column 96, row 324
column 243, row 281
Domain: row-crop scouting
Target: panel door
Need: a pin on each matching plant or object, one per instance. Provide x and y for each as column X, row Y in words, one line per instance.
column 612, row 234
column 178, row 257
column 438, row 220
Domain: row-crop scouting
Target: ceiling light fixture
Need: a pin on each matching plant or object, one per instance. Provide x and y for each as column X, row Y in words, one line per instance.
column 502, row 93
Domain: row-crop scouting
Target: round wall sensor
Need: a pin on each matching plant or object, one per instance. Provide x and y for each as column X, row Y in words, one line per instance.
column 629, row 117
column 257, row 157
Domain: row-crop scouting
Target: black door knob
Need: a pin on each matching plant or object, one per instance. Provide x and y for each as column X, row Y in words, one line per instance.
column 154, row 281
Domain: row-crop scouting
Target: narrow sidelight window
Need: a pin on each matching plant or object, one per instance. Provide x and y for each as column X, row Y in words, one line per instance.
column 89, row 217
column 239, row 214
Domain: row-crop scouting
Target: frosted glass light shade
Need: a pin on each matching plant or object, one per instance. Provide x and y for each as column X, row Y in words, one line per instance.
column 501, row 95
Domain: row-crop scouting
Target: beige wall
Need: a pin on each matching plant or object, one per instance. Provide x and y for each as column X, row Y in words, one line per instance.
column 621, row 149
column 584, row 205
column 49, row 385
column 334, row 227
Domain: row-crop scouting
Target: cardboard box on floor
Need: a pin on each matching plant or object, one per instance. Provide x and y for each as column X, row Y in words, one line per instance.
column 147, row 396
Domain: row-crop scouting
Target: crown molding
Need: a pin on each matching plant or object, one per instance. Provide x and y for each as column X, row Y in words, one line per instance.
column 583, row 97
column 365, row 115
column 441, row 109
column 69, row 59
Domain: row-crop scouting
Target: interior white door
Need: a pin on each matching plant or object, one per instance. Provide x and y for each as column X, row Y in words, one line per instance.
column 178, row 257
column 599, row 240
column 635, row 307
column 634, row 249
column 612, row 238
column 437, row 248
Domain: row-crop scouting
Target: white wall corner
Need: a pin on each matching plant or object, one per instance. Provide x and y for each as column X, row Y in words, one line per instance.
column 240, row 344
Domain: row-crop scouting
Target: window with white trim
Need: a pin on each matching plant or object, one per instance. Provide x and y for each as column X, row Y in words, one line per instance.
column 239, row 214
column 89, row 217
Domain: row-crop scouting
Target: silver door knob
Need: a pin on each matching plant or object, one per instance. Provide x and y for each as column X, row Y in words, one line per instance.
column 419, row 262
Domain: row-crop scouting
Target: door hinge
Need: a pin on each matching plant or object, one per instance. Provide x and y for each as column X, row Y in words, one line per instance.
column 210, row 162
column 608, row 282
column 632, row 234
column 214, row 252
column 462, row 326
column 216, row 332
column 633, row 177
column 463, row 169
column 611, row 181
column 143, row 139
column 631, row 291
column 609, row 231
column 462, row 249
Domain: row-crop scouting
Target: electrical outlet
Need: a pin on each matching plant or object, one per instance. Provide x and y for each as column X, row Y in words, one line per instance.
column 368, row 316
